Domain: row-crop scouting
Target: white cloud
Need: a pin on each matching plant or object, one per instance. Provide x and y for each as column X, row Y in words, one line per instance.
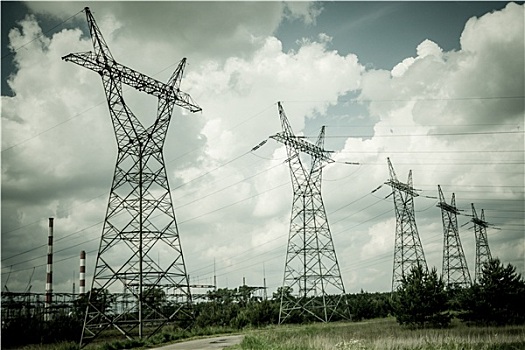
column 425, row 49
column 445, row 93
column 229, row 203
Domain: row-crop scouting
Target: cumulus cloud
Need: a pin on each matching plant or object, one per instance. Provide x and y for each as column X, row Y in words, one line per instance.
column 428, row 104
column 233, row 205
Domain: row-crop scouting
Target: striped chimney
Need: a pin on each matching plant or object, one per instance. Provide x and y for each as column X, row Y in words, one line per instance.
column 82, row 285
column 49, row 281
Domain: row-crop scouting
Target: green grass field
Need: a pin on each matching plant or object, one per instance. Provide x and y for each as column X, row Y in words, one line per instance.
column 384, row 334
column 379, row 334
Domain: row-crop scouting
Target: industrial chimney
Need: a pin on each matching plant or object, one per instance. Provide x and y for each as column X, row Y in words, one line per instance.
column 82, row 284
column 49, row 279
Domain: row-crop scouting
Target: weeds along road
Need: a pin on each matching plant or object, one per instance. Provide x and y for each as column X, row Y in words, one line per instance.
column 214, row 343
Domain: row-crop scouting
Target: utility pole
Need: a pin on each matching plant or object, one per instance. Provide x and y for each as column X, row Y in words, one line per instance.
column 454, row 270
column 408, row 251
column 312, row 282
column 140, row 220
column 482, row 244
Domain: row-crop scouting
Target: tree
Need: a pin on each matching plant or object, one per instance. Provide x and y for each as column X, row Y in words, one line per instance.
column 498, row 297
column 99, row 298
column 222, row 295
column 421, row 300
column 155, row 298
column 286, row 290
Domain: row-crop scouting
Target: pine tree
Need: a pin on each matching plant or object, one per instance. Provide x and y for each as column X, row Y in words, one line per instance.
column 421, row 300
column 497, row 298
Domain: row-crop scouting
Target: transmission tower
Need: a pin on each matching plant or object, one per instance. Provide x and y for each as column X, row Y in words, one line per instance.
column 408, row 251
column 140, row 251
column 454, row 270
column 482, row 244
column 312, row 283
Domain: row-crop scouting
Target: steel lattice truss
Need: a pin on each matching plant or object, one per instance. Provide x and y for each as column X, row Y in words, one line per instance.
column 454, row 270
column 140, row 260
column 312, row 276
column 408, row 251
column 482, row 244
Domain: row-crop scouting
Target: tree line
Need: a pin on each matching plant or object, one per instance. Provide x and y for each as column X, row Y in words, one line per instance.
column 422, row 300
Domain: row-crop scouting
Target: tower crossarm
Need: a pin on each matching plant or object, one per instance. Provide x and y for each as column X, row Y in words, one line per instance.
column 398, row 185
column 480, row 221
column 447, row 207
column 451, row 208
column 302, row 145
column 133, row 78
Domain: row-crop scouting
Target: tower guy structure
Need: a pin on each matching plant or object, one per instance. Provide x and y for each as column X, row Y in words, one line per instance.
column 312, row 283
column 408, row 251
column 140, row 281
column 482, row 244
column 454, row 269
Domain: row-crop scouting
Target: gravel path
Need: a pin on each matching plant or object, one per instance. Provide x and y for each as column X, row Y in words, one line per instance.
column 205, row 344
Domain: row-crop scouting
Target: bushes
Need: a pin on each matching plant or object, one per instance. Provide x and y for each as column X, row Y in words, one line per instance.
column 33, row 330
column 230, row 308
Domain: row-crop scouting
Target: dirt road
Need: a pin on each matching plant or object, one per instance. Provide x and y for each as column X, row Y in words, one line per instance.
column 205, row 344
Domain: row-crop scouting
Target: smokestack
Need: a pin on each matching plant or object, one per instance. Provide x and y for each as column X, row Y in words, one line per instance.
column 82, row 285
column 49, row 280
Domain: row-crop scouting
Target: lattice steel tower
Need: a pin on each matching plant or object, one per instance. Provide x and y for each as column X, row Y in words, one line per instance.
column 482, row 244
column 454, row 270
column 140, row 281
column 311, row 270
column 408, row 250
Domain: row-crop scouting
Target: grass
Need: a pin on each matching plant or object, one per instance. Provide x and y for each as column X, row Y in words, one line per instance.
column 380, row 334
column 384, row 334
column 110, row 341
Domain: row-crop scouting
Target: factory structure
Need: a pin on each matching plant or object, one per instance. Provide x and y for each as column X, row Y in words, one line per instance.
column 50, row 304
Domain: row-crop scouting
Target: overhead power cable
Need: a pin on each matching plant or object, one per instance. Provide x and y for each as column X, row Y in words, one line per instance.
column 426, row 135
column 428, row 99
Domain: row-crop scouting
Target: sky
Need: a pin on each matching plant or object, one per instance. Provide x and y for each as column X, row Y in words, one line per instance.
column 437, row 87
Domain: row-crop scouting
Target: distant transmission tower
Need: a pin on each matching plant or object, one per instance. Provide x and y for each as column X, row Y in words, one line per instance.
column 454, row 270
column 482, row 244
column 312, row 282
column 140, row 226
column 408, row 251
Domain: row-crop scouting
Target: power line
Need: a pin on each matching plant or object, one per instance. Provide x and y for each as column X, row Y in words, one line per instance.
column 426, row 152
column 358, row 100
column 426, row 135
column 242, row 200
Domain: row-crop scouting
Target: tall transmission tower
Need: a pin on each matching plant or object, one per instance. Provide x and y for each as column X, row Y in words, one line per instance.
column 454, row 269
column 482, row 244
column 140, row 226
column 312, row 283
column 408, row 251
